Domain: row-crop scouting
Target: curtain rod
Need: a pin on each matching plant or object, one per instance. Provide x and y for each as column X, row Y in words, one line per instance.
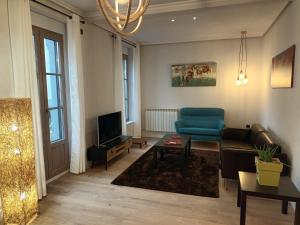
column 114, row 35
column 58, row 11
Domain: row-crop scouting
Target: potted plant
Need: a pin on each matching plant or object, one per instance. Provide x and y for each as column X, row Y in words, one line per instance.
column 268, row 169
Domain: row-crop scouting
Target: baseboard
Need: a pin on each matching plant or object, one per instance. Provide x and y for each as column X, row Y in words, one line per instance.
column 57, row 176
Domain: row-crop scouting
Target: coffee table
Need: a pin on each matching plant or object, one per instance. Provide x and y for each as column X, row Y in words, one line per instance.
column 161, row 147
column 286, row 192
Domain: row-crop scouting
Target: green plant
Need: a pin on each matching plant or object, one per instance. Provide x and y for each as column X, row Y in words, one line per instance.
column 266, row 153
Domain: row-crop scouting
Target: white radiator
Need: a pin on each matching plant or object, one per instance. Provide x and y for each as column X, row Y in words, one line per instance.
column 162, row 120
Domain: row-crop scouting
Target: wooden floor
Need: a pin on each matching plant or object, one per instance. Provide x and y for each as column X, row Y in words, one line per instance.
column 90, row 199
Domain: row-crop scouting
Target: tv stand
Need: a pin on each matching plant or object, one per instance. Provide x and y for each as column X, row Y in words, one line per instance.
column 108, row 151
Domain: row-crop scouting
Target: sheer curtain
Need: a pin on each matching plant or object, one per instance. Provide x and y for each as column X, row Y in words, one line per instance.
column 77, row 106
column 22, row 71
column 119, row 81
column 136, row 97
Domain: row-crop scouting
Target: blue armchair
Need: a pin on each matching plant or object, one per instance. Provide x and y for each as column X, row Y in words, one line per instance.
column 204, row 124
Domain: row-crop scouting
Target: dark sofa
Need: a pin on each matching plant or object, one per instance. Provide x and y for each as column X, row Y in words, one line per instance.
column 238, row 149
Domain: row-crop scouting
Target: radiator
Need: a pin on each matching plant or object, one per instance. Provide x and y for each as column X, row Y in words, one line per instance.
column 162, row 120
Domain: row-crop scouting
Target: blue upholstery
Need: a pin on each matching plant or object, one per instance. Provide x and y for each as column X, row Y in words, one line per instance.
column 203, row 124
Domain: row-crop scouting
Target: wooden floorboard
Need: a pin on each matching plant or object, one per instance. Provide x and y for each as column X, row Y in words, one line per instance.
column 90, row 199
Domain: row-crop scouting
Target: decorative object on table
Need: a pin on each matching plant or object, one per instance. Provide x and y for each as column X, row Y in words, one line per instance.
column 283, row 69
column 126, row 23
column 200, row 177
column 173, row 139
column 268, row 168
column 243, row 61
column 17, row 162
column 194, row 75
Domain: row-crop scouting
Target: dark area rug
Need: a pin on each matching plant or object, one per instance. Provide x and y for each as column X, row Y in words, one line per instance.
column 200, row 176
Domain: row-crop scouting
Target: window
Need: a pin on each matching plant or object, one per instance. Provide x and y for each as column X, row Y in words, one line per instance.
column 126, row 85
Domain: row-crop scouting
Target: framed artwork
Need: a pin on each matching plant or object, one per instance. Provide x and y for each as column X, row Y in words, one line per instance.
column 283, row 69
column 194, row 75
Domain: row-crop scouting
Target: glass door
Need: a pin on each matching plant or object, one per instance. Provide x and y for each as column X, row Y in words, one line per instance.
column 50, row 72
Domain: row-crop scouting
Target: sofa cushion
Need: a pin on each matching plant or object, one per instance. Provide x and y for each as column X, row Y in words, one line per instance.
column 200, row 123
column 236, row 144
column 199, row 131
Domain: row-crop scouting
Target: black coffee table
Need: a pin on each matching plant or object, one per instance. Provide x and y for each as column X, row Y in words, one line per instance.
column 286, row 192
column 161, row 147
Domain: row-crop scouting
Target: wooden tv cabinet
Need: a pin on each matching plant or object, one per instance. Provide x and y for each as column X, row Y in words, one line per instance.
column 109, row 151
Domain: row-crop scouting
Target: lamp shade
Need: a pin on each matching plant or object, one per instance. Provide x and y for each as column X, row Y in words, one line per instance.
column 17, row 164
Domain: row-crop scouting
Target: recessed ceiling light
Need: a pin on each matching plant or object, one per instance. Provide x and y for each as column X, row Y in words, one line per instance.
column 194, row 18
column 173, row 20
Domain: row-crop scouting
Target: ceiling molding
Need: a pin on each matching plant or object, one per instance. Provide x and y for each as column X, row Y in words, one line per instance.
column 67, row 6
column 179, row 6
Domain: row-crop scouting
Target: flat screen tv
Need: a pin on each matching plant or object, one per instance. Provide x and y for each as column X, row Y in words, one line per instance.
column 109, row 127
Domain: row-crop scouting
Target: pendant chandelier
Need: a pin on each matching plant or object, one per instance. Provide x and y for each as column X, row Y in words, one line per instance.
column 243, row 60
column 126, row 23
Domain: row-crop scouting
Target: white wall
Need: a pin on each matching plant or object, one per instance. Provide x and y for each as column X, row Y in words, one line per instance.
column 241, row 104
column 99, row 78
column 282, row 106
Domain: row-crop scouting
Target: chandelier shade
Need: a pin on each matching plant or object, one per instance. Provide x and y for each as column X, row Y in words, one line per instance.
column 121, row 17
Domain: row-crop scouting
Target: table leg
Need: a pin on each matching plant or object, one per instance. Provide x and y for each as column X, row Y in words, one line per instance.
column 189, row 147
column 243, row 208
column 161, row 152
column 239, row 195
column 155, row 157
column 297, row 214
column 285, row 207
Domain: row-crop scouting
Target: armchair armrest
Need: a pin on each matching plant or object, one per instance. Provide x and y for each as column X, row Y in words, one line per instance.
column 235, row 134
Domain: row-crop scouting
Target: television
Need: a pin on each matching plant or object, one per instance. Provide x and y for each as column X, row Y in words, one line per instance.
column 109, row 127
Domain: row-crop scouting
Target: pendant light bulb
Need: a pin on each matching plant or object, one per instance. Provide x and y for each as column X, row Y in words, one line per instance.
column 238, row 82
column 241, row 75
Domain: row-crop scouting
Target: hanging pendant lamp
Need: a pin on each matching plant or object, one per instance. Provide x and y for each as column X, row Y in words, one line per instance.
column 243, row 60
column 126, row 23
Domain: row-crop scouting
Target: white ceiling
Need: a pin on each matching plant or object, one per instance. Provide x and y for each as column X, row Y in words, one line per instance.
column 90, row 5
column 216, row 19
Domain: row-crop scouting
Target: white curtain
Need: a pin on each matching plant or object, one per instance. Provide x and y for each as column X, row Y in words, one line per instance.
column 119, row 81
column 77, row 106
column 18, row 71
column 22, row 79
column 136, row 97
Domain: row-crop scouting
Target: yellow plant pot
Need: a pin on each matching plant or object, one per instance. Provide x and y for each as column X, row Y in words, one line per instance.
column 268, row 173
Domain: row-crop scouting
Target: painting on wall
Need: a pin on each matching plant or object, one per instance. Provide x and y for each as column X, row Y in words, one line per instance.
column 283, row 69
column 194, row 75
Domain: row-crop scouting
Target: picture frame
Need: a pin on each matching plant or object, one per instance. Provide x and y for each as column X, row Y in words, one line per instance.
column 283, row 66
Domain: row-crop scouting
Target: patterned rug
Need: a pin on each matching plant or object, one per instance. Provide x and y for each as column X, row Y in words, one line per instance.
column 200, row 176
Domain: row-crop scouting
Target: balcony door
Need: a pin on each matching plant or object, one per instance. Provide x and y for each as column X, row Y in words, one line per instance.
column 52, row 91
